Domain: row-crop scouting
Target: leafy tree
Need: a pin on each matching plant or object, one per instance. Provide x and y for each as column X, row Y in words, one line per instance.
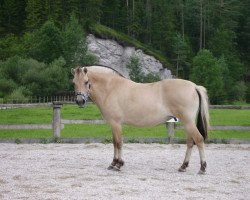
column 12, row 16
column 206, row 71
column 136, row 74
column 182, row 53
column 10, row 45
column 56, row 78
column 46, row 43
column 6, row 86
column 36, row 15
column 14, row 74
column 74, row 44
column 18, row 95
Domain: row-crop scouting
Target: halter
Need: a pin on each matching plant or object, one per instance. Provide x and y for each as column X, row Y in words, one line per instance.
column 85, row 95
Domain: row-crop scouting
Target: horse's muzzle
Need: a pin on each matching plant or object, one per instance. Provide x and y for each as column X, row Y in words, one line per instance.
column 81, row 103
column 81, row 99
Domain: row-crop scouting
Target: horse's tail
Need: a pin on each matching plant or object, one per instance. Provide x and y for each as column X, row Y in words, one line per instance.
column 203, row 112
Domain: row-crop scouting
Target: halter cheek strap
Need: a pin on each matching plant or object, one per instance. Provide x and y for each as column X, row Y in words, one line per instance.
column 85, row 95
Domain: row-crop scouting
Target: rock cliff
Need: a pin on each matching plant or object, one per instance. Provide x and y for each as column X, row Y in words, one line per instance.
column 112, row 54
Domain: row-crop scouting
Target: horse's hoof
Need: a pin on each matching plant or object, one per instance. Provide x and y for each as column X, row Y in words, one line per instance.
column 182, row 169
column 203, row 168
column 117, row 168
column 110, row 167
column 202, row 172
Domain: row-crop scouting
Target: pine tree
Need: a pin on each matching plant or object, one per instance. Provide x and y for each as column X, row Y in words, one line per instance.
column 36, row 14
column 12, row 16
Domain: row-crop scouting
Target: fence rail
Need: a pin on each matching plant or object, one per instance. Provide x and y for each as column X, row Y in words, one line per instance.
column 70, row 99
column 38, row 100
column 58, row 123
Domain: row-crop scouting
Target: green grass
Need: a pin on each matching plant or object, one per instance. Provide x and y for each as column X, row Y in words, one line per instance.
column 26, row 116
column 230, row 117
column 74, row 112
column 44, row 116
column 13, row 134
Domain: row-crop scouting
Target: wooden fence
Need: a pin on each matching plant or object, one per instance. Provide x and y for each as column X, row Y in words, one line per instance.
column 58, row 123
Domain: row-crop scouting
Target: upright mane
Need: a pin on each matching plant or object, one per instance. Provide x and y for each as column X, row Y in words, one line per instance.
column 104, row 69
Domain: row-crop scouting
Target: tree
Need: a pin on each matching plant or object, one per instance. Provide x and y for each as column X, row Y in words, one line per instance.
column 206, row 71
column 56, row 78
column 12, row 16
column 182, row 52
column 35, row 14
column 136, row 74
column 10, row 45
column 74, row 44
column 46, row 44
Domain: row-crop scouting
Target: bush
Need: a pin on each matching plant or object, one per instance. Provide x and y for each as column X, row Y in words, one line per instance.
column 136, row 74
column 248, row 94
column 9, row 46
column 207, row 71
column 17, row 96
column 46, row 43
column 56, row 78
column 6, row 86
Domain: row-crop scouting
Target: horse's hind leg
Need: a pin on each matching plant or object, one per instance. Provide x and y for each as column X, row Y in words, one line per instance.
column 190, row 144
column 197, row 138
column 117, row 162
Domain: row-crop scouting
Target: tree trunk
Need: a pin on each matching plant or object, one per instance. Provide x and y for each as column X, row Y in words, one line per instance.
column 182, row 20
column 149, row 19
column 201, row 23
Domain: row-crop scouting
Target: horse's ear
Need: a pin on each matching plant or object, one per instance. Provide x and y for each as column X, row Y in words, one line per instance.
column 73, row 71
column 85, row 70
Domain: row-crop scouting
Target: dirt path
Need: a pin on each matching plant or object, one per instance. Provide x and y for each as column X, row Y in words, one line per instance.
column 78, row 171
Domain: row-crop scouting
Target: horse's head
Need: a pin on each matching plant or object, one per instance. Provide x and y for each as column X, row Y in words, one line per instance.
column 82, row 85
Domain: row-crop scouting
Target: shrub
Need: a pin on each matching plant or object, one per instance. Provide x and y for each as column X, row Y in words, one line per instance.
column 17, row 95
column 46, row 43
column 208, row 72
column 136, row 74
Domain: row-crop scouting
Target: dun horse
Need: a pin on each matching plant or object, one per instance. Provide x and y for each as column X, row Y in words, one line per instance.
column 122, row 101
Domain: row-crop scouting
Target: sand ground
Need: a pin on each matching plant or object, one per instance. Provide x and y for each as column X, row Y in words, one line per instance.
column 79, row 171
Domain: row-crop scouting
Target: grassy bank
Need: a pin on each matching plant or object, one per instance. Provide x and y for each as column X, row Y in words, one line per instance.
column 44, row 116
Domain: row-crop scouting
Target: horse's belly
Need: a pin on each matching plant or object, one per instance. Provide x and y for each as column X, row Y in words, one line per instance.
column 146, row 117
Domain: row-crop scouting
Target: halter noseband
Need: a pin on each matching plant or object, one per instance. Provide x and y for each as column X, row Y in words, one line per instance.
column 85, row 95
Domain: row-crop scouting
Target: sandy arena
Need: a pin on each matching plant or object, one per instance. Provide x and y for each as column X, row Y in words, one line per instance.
column 79, row 171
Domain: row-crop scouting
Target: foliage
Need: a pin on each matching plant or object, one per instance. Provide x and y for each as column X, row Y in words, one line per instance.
column 74, row 44
column 24, row 77
column 136, row 74
column 207, row 71
column 47, row 43
column 18, row 94
column 183, row 52
column 172, row 31
column 10, row 46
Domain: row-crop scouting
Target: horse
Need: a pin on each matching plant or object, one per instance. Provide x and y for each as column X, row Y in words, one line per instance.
column 122, row 101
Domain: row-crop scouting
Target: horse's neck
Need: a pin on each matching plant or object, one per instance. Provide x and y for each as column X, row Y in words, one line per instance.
column 100, row 86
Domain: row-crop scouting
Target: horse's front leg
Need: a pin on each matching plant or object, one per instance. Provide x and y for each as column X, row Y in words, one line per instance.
column 117, row 162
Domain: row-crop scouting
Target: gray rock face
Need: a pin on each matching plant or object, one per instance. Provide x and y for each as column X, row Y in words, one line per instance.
column 112, row 54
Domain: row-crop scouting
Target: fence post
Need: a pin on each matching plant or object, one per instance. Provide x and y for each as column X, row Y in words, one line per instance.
column 57, row 119
column 170, row 132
